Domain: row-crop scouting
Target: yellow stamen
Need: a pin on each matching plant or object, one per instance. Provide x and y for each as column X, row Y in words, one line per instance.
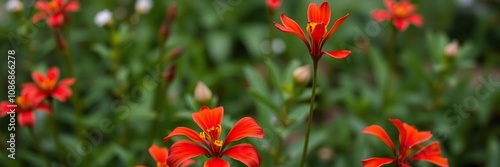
column 401, row 11
column 218, row 143
column 202, row 136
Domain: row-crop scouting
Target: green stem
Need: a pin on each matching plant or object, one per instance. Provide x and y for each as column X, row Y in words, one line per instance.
column 271, row 27
column 392, row 70
column 55, row 132
column 37, row 145
column 311, row 109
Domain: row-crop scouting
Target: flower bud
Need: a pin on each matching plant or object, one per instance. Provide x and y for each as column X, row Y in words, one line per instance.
column 202, row 93
column 302, row 75
column 165, row 25
column 14, row 6
column 451, row 50
column 143, row 6
column 169, row 74
column 273, row 5
column 103, row 18
column 172, row 12
column 175, row 53
column 60, row 41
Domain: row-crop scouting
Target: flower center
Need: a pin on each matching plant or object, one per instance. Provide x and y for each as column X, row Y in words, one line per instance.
column 22, row 102
column 401, row 11
column 312, row 26
column 211, row 136
column 48, row 85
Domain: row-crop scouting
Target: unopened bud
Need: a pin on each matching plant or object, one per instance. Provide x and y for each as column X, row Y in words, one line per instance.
column 169, row 74
column 451, row 50
column 202, row 93
column 143, row 6
column 103, row 18
column 165, row 25
column 60, row 41
column 175, row 53
column 172, row 12
column 14, row 6
column 302, row 75
column 273, row 5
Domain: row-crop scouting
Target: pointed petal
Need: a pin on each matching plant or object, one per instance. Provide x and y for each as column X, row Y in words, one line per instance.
column 159, row 154
column 245, row 127
column 405, row 165
column 71, row 6
column 61, row 93
column 416, row 20
column 407, row 6
column 39, row 16
column 334, row 28
column 390, row 5
column 183, row 131
column 291, row 27
column 67, row 82
column 381, row 15
column 55, row 21
column 188, row 163
column 38, row 77
column 402, row 131
column 313, row 13
column 59, row 3
column 183, row 150
column 44, row 107
column 379, row 132
column 29, row 87
column 400, row 24
column 4, row 108
column 27, row 119
column 245, row 153
column 376, row 162
column 339, row 54
column 431, row 153
column 414, row 137
column 325, row 13
column 43, row 6
column 53, row 74
column 216, row 162
column 207, row 118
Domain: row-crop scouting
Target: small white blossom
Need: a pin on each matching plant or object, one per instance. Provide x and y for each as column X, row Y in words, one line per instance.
column 103, row 18
column 143, row 6
column 14, row 6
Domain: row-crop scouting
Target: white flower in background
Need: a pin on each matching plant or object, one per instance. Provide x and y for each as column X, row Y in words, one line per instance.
column 451, row 49
column 302, row 75
column 143, row 6
column 14, row 6
column 103, row 18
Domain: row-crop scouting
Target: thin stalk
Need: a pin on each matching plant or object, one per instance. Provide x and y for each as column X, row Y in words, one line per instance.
column 271, row 27
column 392, row 70
column 55, row 132
column 37, row 145
column 311, row 109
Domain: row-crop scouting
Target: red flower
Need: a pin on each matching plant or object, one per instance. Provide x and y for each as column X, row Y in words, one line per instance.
column 401, row 14
column 160, row 155
column 55, row 11
column 319, row 18
column 208, row 142
column 27, row 103
column 409, row 140
column 273, row 5
column 47, row 86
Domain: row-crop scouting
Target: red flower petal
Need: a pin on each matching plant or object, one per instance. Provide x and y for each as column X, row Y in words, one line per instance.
column 339, row 54
column 159, row 154
column 207, row 118
column 71, row 6
column 31, row 87
column 216, row 162
column 431, row 153
column 183, row 131
column 39, row 16
column 4, row 108
column 416, row 20
column 334, row 28
column 245, row 153
column 67, row 82
column 414, row 137
column 183, row 150
column 59, row 3
column 38, row 77
column 381, row 15
column 245, row 127
column 187, row 163
column 400, row 24
column 402, row 131
column 55, row 21
column 61, row 93
column 407, row 6
column 313, row 13
column 325, row 13
column 390, row 4
column 53, row 74
column 291, row 27
column 376, row 162
column 44, row 107
column 379, row 132
column 405, row 165
column 27, row 119
column 43, row 6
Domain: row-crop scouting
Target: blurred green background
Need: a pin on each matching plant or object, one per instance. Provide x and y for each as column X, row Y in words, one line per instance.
column 226, row 46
